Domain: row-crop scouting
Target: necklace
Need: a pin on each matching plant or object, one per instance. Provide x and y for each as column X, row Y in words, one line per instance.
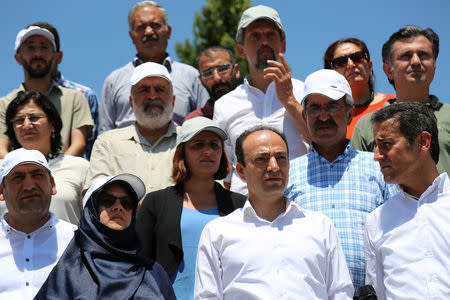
column 372, row 95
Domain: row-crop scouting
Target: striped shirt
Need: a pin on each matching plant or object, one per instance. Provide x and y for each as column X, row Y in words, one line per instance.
column 345, row 190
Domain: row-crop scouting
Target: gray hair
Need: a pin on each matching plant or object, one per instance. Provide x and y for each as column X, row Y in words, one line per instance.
column 143, row 4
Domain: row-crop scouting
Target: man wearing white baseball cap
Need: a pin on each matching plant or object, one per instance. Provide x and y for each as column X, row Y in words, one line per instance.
column 334, row 179
column 31, row 238
column 35, row 51
column 146, row 147
column 268, row 95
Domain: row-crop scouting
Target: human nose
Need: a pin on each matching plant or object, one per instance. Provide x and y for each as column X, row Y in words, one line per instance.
column 415, row 59
column 323, row 114
column 27, row 123
column 377, row 155
column 117, row 206
column 273, row 165
column 148, row 30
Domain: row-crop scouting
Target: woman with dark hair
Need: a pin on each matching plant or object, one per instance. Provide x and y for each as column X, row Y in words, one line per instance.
column 33, row 122
column 351, row 58
column 102, row 260
column 170, row 221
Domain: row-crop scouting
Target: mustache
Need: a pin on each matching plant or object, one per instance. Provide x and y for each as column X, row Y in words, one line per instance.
column 147, row 103
column 38, row 59
column 264, row 48
column 151, row 37
column 328, row 123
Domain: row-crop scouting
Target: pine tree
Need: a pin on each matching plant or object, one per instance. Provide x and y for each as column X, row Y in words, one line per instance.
column 216, row 25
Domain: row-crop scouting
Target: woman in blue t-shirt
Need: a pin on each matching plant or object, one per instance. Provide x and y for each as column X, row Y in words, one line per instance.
column 170, row 221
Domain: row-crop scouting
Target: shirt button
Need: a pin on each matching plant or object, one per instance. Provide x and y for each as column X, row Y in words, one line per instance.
column 29, row 236
column 27, row 283
column 27, row 259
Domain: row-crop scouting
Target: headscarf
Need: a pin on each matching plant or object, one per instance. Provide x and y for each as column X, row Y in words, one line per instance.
column 102, row 263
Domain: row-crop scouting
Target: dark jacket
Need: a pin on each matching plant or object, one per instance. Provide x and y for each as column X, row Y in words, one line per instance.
column 102, row 263
column 158, row 222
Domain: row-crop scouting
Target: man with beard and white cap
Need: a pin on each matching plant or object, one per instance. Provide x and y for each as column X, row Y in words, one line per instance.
column 36, row 52
column 149, row 31
column 334, row 179
column 268, row 95
column 32, row 239
column 146, row 147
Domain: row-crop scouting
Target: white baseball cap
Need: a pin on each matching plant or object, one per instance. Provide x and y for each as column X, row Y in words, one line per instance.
column 259, row 12
column 133, row 181
column 328, row 83
column 22, row 156
column 33, row 30
column 149, row 69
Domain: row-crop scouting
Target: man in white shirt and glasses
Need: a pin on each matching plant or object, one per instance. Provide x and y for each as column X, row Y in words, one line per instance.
column 407, row 238
column 271, row 248
column 31, row 238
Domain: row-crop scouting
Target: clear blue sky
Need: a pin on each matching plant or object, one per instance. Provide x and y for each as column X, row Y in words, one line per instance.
column 95, row 41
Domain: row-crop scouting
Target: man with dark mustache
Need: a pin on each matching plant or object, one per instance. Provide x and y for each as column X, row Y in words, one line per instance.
column 219, row 74
column 146, row 147
column 36, row 52
column 268, row 95
column 32, row 239
column 149, row 31
column 334, row 179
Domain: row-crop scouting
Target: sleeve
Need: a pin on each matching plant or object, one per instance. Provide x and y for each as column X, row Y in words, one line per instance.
column 208, row 269
column 100, row 165
column 339, row 282
column 93, row 106
column 145, row 222
column 3, row 105
column 201, row 96
column 106, row 114
column 81, row 113
column 228, row 146
column 362, row 138
column 374, row 267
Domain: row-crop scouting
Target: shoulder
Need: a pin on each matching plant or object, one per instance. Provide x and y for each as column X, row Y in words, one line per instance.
column 167, row 197
column 64, row 228
column 233, row 97
column 299, row 161
column 184, row 68
column 10, row 96
column 116, row 134
column 120, row 72
column 76, row 161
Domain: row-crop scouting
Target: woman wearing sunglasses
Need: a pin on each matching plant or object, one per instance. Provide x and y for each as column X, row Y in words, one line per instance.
column 351, row 58
column 102, row 261
column 170, row 221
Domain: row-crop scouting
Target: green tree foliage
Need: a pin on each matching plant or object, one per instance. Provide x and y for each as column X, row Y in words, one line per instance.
column 216, row 25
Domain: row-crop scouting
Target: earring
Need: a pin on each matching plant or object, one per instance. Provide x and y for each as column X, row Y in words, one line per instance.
column 53, row 135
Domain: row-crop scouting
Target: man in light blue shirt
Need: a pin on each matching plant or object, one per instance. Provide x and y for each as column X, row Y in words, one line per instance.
column 334, row 179
column 149, row 31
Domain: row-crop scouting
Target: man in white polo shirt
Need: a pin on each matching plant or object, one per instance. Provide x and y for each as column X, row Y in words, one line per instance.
column 31, row 238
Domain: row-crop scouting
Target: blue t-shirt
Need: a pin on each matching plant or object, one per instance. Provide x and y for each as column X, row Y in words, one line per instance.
column 191, row 223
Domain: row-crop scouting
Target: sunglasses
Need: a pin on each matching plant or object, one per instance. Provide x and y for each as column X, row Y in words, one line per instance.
column 221, row 69
column 109, row 200
column 341, row 61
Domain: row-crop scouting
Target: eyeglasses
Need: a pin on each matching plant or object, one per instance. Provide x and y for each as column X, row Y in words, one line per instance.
column 19, row 121
column 31, row 49
column 221, row 69
column 109, row 200
column 331, row 108
column 341, row 61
